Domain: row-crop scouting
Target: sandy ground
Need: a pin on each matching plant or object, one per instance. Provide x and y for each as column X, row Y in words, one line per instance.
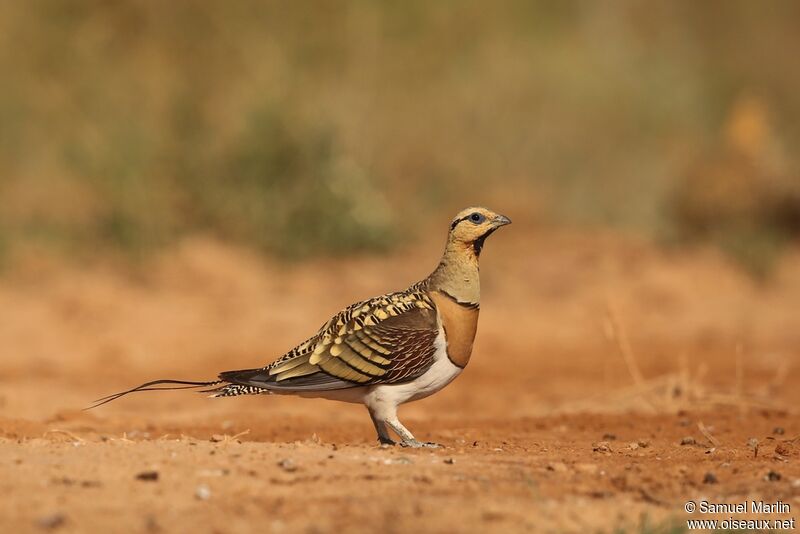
column 569, row 418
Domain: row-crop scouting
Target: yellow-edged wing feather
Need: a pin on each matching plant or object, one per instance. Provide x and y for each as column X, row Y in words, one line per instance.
column 382, row 340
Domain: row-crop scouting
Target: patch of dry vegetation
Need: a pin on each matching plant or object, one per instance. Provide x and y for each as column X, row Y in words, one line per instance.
column 296, row 128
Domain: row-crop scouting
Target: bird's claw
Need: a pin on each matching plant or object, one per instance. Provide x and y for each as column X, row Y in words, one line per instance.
column 414, row 444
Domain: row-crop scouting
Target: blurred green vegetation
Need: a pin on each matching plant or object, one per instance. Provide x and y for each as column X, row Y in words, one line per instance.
column 307, row 128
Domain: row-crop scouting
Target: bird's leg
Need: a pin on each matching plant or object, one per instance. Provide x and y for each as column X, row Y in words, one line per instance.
column 380, row 428
column 408, row 439
column 384, row 413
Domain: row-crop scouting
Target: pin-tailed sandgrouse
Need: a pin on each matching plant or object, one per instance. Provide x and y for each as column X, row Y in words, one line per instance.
column 386, row 350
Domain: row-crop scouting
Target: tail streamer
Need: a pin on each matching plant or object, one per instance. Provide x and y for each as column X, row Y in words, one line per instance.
column 148, row 386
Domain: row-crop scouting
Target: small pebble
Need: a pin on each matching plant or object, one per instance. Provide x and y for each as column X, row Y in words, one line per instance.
column 149, row 476
column 710, row 478
column 688, row 440
column 288, row 465
column 778, row 430
column 202, row 492
column 601, row 446
column 450, row 461
column 609, row 437
column 772, row 476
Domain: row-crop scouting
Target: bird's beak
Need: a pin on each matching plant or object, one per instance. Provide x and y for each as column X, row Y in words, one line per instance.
column 501, row 220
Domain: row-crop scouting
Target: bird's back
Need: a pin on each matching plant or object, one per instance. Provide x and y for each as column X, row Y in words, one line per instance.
column 385, row 339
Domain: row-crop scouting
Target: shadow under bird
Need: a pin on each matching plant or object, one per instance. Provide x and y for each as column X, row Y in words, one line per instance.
column 383, row 351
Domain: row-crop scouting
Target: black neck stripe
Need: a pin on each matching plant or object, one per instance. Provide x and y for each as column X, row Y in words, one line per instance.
column 470, row 305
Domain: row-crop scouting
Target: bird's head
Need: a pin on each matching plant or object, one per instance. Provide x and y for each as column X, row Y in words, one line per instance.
column 473, row 225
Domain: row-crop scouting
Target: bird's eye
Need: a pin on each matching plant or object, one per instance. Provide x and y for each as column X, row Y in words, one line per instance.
column 477, row 218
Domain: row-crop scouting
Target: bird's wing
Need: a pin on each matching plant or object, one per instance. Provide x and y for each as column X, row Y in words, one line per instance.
column 384, row 340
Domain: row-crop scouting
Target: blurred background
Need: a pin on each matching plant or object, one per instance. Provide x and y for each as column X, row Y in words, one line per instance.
column 239, row 171
column 300, row 129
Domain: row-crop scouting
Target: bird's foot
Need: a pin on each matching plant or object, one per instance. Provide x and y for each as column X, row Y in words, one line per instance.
column 385, row 443
column 414, row 444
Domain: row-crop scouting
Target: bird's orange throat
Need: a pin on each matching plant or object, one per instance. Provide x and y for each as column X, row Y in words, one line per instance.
column 460, row 322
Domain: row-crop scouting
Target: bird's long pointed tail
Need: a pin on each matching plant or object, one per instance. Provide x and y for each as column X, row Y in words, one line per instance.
column 149, row 386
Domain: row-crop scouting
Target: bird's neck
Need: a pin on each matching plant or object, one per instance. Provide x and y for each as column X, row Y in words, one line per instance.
column 457, row 274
